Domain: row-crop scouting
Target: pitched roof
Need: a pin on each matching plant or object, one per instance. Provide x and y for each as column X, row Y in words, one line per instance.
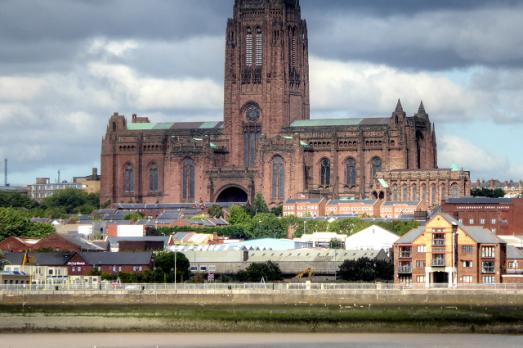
column 121, row 258
column 175, row 125
column 304, row 200
column 84, row 244
column 479, row 200
column 414, row 203
column 40, row 259
column 351, row 201
column 340, row 122
column 514, row 253
column 411, row 236
column 482, row 235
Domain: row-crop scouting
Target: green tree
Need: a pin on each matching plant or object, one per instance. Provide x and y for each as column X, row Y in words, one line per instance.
column 134, row 216
column 268, row 271
column 238, row 216
column 485, row 192
column 215, row 211
column 16, row 200
column 362, row 269
column 259, row 205
column 336, row 244
column 14, row 222
column 72, row 201
column 384, row 270
column 266, row 225
column 164, row 267
column 278, row 211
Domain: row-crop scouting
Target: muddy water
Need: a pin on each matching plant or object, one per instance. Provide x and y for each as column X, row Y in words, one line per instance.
column 147, row 340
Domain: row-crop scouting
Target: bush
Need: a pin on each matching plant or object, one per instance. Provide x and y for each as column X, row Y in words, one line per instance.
column 366, row 270
column 268, row 271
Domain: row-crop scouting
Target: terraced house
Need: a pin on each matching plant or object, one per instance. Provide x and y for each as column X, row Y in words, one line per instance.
column 446, row 252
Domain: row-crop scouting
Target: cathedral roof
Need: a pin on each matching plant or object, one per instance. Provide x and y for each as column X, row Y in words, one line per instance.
column 175, row 125
column 337, row 122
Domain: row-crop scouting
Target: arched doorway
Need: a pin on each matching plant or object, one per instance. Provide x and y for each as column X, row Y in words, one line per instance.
column 232, row 194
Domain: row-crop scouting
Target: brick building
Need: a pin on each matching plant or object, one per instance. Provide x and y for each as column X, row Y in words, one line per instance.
column 447, row 252
column 430, row 187
column 503, row 216
column 313, row 207
column 357, row 207
column 266, row 142
column 81, row 264
column 399, row 210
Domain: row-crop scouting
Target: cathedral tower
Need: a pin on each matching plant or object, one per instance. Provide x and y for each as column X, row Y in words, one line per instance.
column 266, row 74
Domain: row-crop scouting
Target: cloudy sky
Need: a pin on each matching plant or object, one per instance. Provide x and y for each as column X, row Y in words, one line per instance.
column 66, row 66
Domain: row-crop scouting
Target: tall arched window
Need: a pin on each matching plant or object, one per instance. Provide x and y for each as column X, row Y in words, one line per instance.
column 454, row 190
column 375, row 166
column 405, row 193
column 350, row 172
column 434, row 193
column 395, row 193
column 414, row 192
column 188, row 180
column 248, row 47
column 424, row 195
column 443, row 194
column 259, row 47
column 128, row 178
column 153, row 178
column 325, row 172
column 278, row 178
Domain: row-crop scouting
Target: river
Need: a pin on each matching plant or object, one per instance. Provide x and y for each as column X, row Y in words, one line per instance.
column 175, row 340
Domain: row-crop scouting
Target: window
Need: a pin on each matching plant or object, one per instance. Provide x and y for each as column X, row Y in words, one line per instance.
column 438, row 239
column 153, row 178
column 405, row 251
column 278, row 178
column 467, row 264
column 487, row 267
column 259, row 47
column 466, row 249
column 433, row 194
column 438, row 260
column 493, row 221
column 188, row 180
column 420, row 263
column 128, row 180
column 248, row 47
column 422, row 248
column 405, row 194
column 395, row 193
column 325, row 172
column 375, row 166
column 467, row 279
column 513, row 265
column 471, row 221
column 454, row 190
column 489, row 280
column 488, row 252
column 481, row 221
column 350, row 172
column 443, row 194
column 414, row 192
column 50, row 272
column 423, row 192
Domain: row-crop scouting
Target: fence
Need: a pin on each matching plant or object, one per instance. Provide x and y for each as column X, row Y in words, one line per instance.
column 250, row 288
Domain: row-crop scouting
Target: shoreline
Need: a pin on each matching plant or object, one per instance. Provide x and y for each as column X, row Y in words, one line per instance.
column 261, row 319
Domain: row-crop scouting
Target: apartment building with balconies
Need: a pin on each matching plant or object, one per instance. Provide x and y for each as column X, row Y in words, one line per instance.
column 446, row 252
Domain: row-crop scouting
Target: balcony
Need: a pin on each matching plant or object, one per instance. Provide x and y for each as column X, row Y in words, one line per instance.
column 438, row 262
column 405, row 253
column 438, row 242
column 404, row 269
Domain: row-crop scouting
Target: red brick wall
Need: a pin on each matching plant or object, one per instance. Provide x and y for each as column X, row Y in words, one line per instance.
column 13, row 244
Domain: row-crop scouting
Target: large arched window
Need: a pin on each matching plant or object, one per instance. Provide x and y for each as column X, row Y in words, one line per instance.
column 248, row 47
column 434, row 193
column 325, row 172
column 395, row 193
column 375, row 166
column 350, row 172
column 405, row 193
column 278, row 178
column 128, row 178
column 259, row 47
column 414, row 192
column 443, row 194
column 153, row 178
column 188, row 180
column 424, row 195
column 454, row 190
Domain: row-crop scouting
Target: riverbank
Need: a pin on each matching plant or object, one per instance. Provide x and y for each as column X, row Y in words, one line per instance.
column 237, row 318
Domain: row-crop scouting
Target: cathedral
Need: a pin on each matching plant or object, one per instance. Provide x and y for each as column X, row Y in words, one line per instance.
column 267, row 143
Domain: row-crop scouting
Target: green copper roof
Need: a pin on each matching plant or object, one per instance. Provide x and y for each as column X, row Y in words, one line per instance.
column 148, row 126
column 327, row 122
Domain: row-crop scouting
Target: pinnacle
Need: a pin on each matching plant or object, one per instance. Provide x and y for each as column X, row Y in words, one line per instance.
column 399, row 108
column 421, row 109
